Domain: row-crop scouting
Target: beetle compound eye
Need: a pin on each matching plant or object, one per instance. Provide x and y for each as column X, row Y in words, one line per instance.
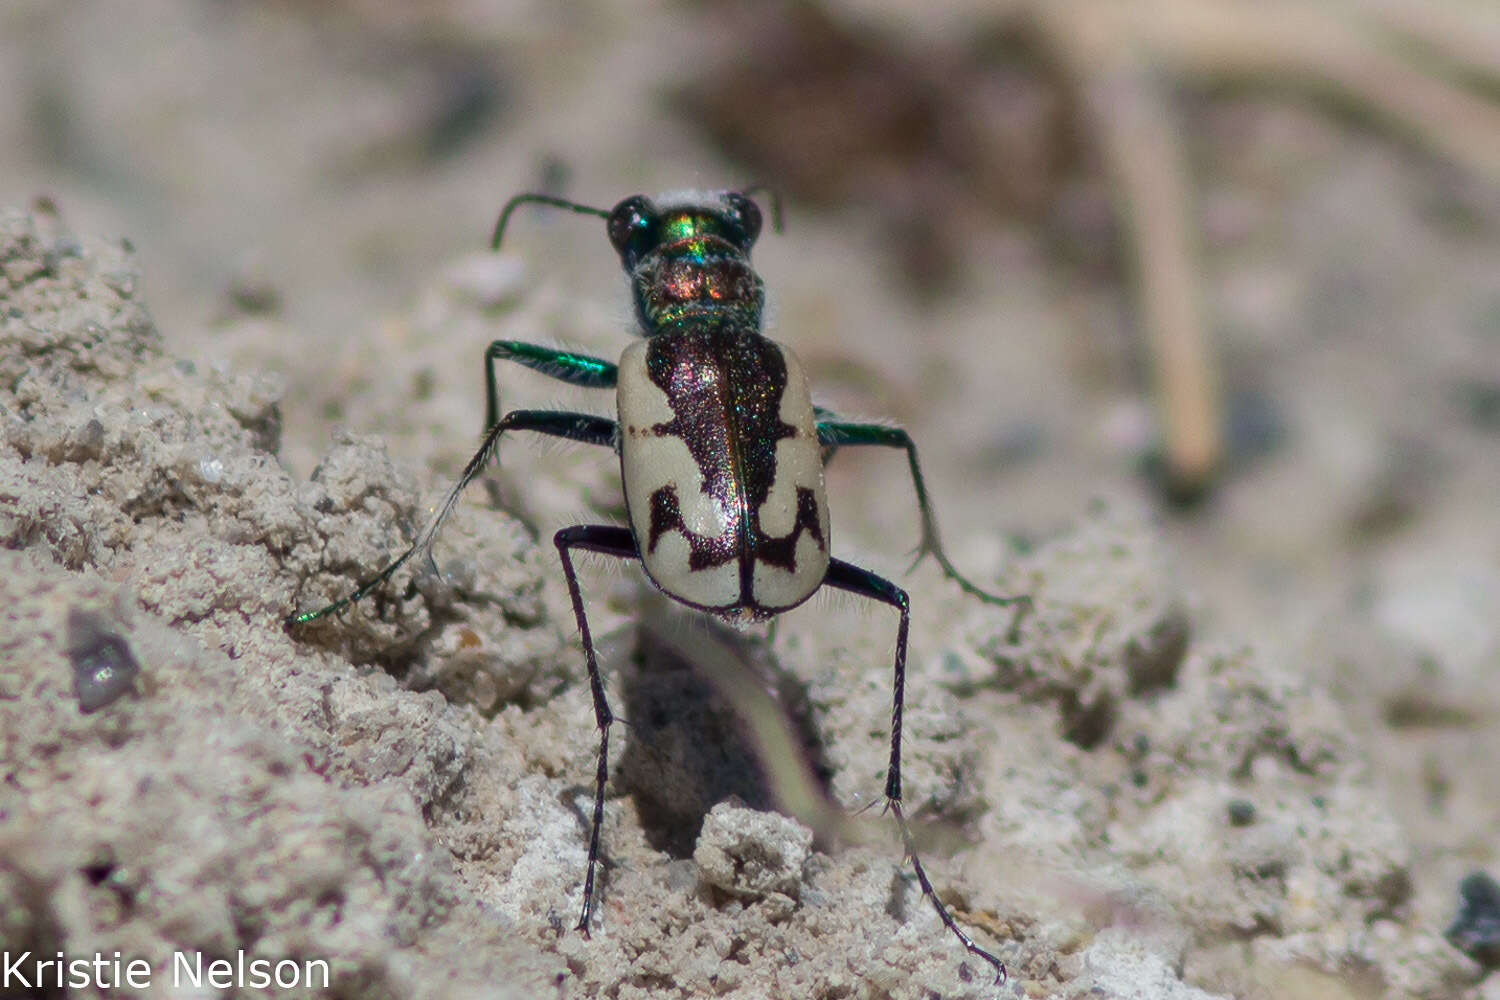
column 629, row 218
column 748, row 213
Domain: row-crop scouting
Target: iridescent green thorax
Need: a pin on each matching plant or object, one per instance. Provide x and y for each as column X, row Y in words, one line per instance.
column 700, row 280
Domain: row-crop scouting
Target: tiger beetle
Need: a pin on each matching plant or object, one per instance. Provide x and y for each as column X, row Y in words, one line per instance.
column 721, row 455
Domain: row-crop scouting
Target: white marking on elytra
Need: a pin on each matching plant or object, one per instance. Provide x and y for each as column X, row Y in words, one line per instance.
column 778, row 515
column 651, row 462
column 710, row 587
column 799, row 460
column 799, row 464
column 774, row 587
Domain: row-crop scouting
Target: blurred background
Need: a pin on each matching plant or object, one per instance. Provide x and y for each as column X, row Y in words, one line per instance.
column 1236, row 264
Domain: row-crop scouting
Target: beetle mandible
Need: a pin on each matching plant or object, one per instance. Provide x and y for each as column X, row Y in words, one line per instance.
column 721, row 455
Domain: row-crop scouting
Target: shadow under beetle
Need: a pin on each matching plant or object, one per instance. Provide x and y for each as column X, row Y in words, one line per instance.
column 721, row 454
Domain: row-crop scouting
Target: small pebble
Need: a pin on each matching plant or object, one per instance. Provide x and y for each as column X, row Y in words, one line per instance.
column 1476, row 929
column 753, row 854
column 103, row 666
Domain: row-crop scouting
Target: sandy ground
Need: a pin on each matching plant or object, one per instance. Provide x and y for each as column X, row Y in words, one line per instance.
column 1242, row 751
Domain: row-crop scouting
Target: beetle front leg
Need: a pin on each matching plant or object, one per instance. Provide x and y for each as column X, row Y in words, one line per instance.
column 834, row 433
column 583, row 427
column 612, row 541
column 565, row 366
column 845, row 576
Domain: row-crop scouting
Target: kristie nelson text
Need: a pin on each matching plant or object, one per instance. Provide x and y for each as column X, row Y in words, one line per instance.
column 25, row 970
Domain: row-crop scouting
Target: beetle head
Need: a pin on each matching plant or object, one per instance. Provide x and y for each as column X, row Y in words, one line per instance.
column 638, row 226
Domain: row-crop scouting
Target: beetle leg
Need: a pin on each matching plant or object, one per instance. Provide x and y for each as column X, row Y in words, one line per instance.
column 846, row 576
column 833, row 433
column 574, row 369
column 612, row 541
column 829, row 450
column 575, row 426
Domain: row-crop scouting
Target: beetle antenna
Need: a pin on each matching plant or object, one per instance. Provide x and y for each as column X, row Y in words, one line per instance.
column 540, row 199
column 774, row 197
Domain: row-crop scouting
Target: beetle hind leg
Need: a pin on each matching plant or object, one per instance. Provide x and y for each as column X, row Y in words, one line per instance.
column 554, row 362
column 848, row 577
column 612, row 541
